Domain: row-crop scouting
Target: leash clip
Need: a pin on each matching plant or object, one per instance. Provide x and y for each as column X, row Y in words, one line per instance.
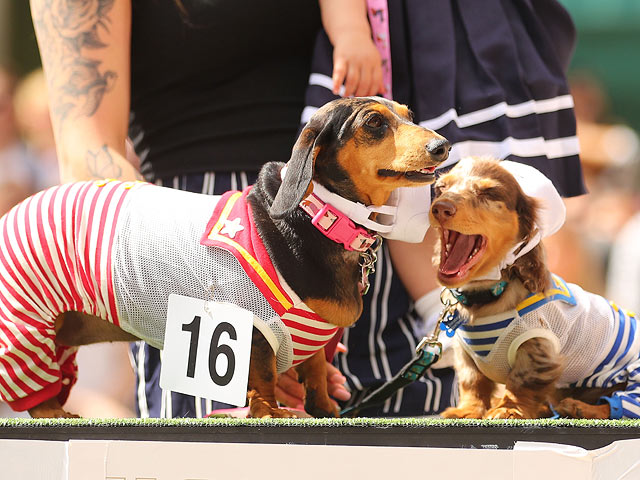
column 431, row 341
column 367, row 263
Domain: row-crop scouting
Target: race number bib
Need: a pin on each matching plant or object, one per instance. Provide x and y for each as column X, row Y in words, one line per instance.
column 207, row 346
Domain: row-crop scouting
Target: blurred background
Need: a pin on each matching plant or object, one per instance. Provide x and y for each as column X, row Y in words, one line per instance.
column 597, row 247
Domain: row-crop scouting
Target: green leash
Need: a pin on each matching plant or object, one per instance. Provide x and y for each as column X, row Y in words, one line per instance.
column 428, row 352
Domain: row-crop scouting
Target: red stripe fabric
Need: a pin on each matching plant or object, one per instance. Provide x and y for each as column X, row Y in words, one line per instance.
column 37, row 289
column 66, row 282
column 305, row 341
column 54, row 243
column 292, row 324
column 78, row 241
column 57, row 287
column 68, row 266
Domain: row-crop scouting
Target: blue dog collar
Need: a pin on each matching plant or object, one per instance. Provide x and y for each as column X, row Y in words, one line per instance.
column 480, row 297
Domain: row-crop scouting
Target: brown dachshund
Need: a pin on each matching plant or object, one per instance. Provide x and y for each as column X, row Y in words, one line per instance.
column 549, row 342
column 90, row 278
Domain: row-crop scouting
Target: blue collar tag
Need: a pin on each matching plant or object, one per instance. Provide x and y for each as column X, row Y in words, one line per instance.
column 451, row 322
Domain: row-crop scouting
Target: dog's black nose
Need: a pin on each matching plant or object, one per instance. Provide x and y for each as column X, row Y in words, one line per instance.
column 439, row 149
column 443, row 210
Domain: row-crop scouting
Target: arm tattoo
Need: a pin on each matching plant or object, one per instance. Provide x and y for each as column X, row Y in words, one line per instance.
column 100, row 164
column 68, row 31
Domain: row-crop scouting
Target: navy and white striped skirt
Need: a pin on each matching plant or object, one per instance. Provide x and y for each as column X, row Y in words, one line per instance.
column 489, row 75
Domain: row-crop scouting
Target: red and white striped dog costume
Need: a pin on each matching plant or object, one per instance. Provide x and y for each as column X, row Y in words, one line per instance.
column 117, row 251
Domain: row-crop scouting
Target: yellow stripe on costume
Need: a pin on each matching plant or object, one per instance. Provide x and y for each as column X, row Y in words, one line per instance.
column 224, row 215
column 617, row 309
column 214, row 235
column 558, row 288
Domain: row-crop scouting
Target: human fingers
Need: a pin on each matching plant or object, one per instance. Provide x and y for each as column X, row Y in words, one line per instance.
column 339, row 73
column 336, row 383
column 364, row 85
column 377, row 81
column 289, row 391
column 352, row 80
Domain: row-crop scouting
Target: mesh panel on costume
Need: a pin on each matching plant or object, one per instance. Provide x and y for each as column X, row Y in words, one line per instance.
column 586, row 333
column 284, row 357
column 159, row 253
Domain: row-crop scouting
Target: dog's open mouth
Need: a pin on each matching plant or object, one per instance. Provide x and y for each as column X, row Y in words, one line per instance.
column 459, row 253
column 423, row 175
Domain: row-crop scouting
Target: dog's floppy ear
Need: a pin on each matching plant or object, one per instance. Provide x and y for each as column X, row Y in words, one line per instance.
column 527, row 209
column 299, row 171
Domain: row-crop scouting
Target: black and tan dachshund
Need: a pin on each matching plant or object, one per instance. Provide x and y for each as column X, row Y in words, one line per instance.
column 358, row 148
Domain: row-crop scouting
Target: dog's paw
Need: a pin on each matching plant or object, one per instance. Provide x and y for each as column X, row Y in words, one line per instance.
column 572, row 408
column 277, row 413
column 320, row 406
column 332, row 412
column 264, row 410
column 507, row 412
column 469, row 411
column 50, row 409
column 53, row 414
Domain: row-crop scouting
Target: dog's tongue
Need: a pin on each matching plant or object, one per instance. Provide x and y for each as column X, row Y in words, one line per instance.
column 461, row 247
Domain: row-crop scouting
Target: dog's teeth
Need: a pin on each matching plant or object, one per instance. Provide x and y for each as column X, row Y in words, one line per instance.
column 448, row 247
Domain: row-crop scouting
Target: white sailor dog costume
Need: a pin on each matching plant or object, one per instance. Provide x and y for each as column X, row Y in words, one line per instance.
column 598, row 340
column 118, row 250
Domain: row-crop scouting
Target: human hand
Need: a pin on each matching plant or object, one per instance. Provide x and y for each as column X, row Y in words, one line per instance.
column 290, row 392
column 357, row 64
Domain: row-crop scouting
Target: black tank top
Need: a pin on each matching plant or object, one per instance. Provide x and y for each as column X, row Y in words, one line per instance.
column 220, row 88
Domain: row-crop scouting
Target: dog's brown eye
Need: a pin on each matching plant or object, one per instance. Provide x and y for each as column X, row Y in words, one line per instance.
column 374, row 121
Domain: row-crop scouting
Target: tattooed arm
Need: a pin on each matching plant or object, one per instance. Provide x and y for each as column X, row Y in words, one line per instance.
column 85, row 51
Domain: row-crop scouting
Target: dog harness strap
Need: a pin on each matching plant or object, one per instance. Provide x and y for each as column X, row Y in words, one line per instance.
column 335, row 225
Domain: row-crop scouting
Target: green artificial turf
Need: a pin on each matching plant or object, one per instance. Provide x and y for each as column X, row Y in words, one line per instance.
column 314, row 422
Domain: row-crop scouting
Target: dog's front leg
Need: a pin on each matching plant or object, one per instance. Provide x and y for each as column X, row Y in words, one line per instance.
column 313, row 374
column 574, row 408
column 262, row 380
column 475, row 388
column 531, row 383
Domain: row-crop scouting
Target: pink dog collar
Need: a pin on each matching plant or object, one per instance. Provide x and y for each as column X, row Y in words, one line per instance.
column 335, row 225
